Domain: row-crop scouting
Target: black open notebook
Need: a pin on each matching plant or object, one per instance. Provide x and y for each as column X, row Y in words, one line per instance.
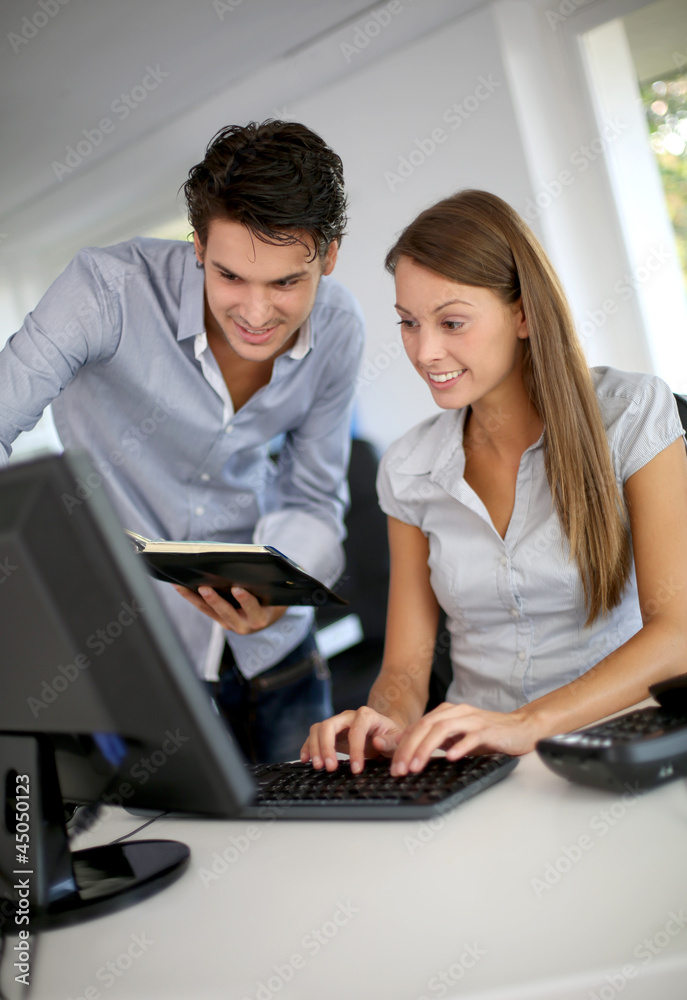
column 261, row 569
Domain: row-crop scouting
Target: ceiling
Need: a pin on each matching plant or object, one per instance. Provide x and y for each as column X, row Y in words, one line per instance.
column 66, row 75
column 68, row 63
column 164, row 74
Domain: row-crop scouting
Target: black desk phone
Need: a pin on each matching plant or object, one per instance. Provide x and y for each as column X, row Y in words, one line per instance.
column 636, row 751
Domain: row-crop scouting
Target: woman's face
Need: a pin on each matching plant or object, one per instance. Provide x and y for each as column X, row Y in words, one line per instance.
column 464, row 341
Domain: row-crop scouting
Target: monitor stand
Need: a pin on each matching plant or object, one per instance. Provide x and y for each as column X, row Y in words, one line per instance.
column 45, row 883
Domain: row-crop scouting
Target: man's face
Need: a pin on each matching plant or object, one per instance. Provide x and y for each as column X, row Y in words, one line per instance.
column 258, row 295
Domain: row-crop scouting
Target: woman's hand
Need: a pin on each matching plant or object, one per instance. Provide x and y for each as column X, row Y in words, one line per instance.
column 250, row 617
column 461, row 730
column 360, row 734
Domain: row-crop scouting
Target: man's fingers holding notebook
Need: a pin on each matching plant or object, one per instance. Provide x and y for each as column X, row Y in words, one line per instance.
column 250, row 617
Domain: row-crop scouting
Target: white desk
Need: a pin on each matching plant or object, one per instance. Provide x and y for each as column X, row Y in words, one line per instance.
column 394, row 913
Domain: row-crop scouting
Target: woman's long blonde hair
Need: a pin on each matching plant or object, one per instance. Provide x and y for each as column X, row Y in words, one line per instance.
column 475, row 238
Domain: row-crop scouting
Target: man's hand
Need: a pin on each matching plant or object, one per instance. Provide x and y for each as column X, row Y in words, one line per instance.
column 250, row 617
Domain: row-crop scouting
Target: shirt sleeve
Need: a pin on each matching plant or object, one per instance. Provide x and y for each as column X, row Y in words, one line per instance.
column 387, row 494
column 74, row 324
column 310, row 494
column 648, row 425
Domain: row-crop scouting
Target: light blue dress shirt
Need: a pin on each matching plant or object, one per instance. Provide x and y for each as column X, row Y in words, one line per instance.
column 118, row 345
column 515, row 605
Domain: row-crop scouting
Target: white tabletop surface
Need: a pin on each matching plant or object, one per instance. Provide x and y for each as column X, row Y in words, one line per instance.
column 401, row 910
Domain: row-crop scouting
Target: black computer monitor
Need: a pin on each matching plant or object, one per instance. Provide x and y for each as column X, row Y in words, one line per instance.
column 98, row 700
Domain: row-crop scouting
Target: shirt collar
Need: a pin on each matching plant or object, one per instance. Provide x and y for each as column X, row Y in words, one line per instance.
column 192, row 303
column 437, row 447
column 303, row 341
column 441, row 448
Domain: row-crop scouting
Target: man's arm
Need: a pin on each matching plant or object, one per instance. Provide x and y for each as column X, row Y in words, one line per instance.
column 75, row 323
column 309, row 497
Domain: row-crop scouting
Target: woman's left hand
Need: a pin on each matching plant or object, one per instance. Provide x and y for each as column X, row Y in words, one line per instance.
column 461, row 730
column 250, row 617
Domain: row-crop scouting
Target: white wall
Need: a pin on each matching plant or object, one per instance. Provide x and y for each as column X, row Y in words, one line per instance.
column 517, row 75
column 375, row 119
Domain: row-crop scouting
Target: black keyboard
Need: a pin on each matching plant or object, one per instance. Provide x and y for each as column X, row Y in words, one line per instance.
column 298, row 791
column 635, row 751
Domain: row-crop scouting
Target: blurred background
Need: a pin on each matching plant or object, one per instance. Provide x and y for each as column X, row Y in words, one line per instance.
column 575, row 112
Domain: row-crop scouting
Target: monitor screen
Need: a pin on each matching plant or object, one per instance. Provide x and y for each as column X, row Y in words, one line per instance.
column 91, row 667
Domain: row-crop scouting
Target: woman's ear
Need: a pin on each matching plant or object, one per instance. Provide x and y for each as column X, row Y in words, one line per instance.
column 521, row 320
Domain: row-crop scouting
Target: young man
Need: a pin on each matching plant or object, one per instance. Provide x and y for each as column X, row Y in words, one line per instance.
column 176, row 365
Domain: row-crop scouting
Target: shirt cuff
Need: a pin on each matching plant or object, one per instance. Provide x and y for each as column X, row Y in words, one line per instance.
column 264, row 649
column 306, row 540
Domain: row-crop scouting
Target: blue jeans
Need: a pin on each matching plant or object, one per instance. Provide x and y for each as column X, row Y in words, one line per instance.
column 270, row 716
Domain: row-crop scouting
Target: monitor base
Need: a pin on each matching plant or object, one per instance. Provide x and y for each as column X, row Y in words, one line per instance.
column 113, row 876
column 46, row 884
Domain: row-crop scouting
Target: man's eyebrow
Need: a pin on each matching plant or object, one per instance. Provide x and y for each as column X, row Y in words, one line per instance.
column 286, row 277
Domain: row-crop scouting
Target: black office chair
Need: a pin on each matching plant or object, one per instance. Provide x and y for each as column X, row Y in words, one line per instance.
column 364, row 584
column 681, row 408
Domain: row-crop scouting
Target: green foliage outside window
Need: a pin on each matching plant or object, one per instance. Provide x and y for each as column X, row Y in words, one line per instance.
column 665, row 103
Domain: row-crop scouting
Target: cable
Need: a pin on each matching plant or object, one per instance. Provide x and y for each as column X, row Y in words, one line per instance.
column 131, row 833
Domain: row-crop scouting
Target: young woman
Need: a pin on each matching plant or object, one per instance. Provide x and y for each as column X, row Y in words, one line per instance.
column 544, row 509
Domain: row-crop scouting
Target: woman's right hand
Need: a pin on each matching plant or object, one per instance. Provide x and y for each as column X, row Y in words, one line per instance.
column 360, row 734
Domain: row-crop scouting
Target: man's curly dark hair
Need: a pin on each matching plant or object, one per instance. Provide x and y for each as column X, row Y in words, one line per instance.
column 276, row 178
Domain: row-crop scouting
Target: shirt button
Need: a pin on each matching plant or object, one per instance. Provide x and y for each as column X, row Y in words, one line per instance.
column 514, row 612
column 504, row 560
column 199, row 511
column 521, row 655
column 228, row 429
column 205, row 477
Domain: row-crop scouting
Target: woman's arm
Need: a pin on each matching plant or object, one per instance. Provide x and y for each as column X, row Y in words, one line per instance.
column 402, row 688
column 399, row 695
column 657, row 503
